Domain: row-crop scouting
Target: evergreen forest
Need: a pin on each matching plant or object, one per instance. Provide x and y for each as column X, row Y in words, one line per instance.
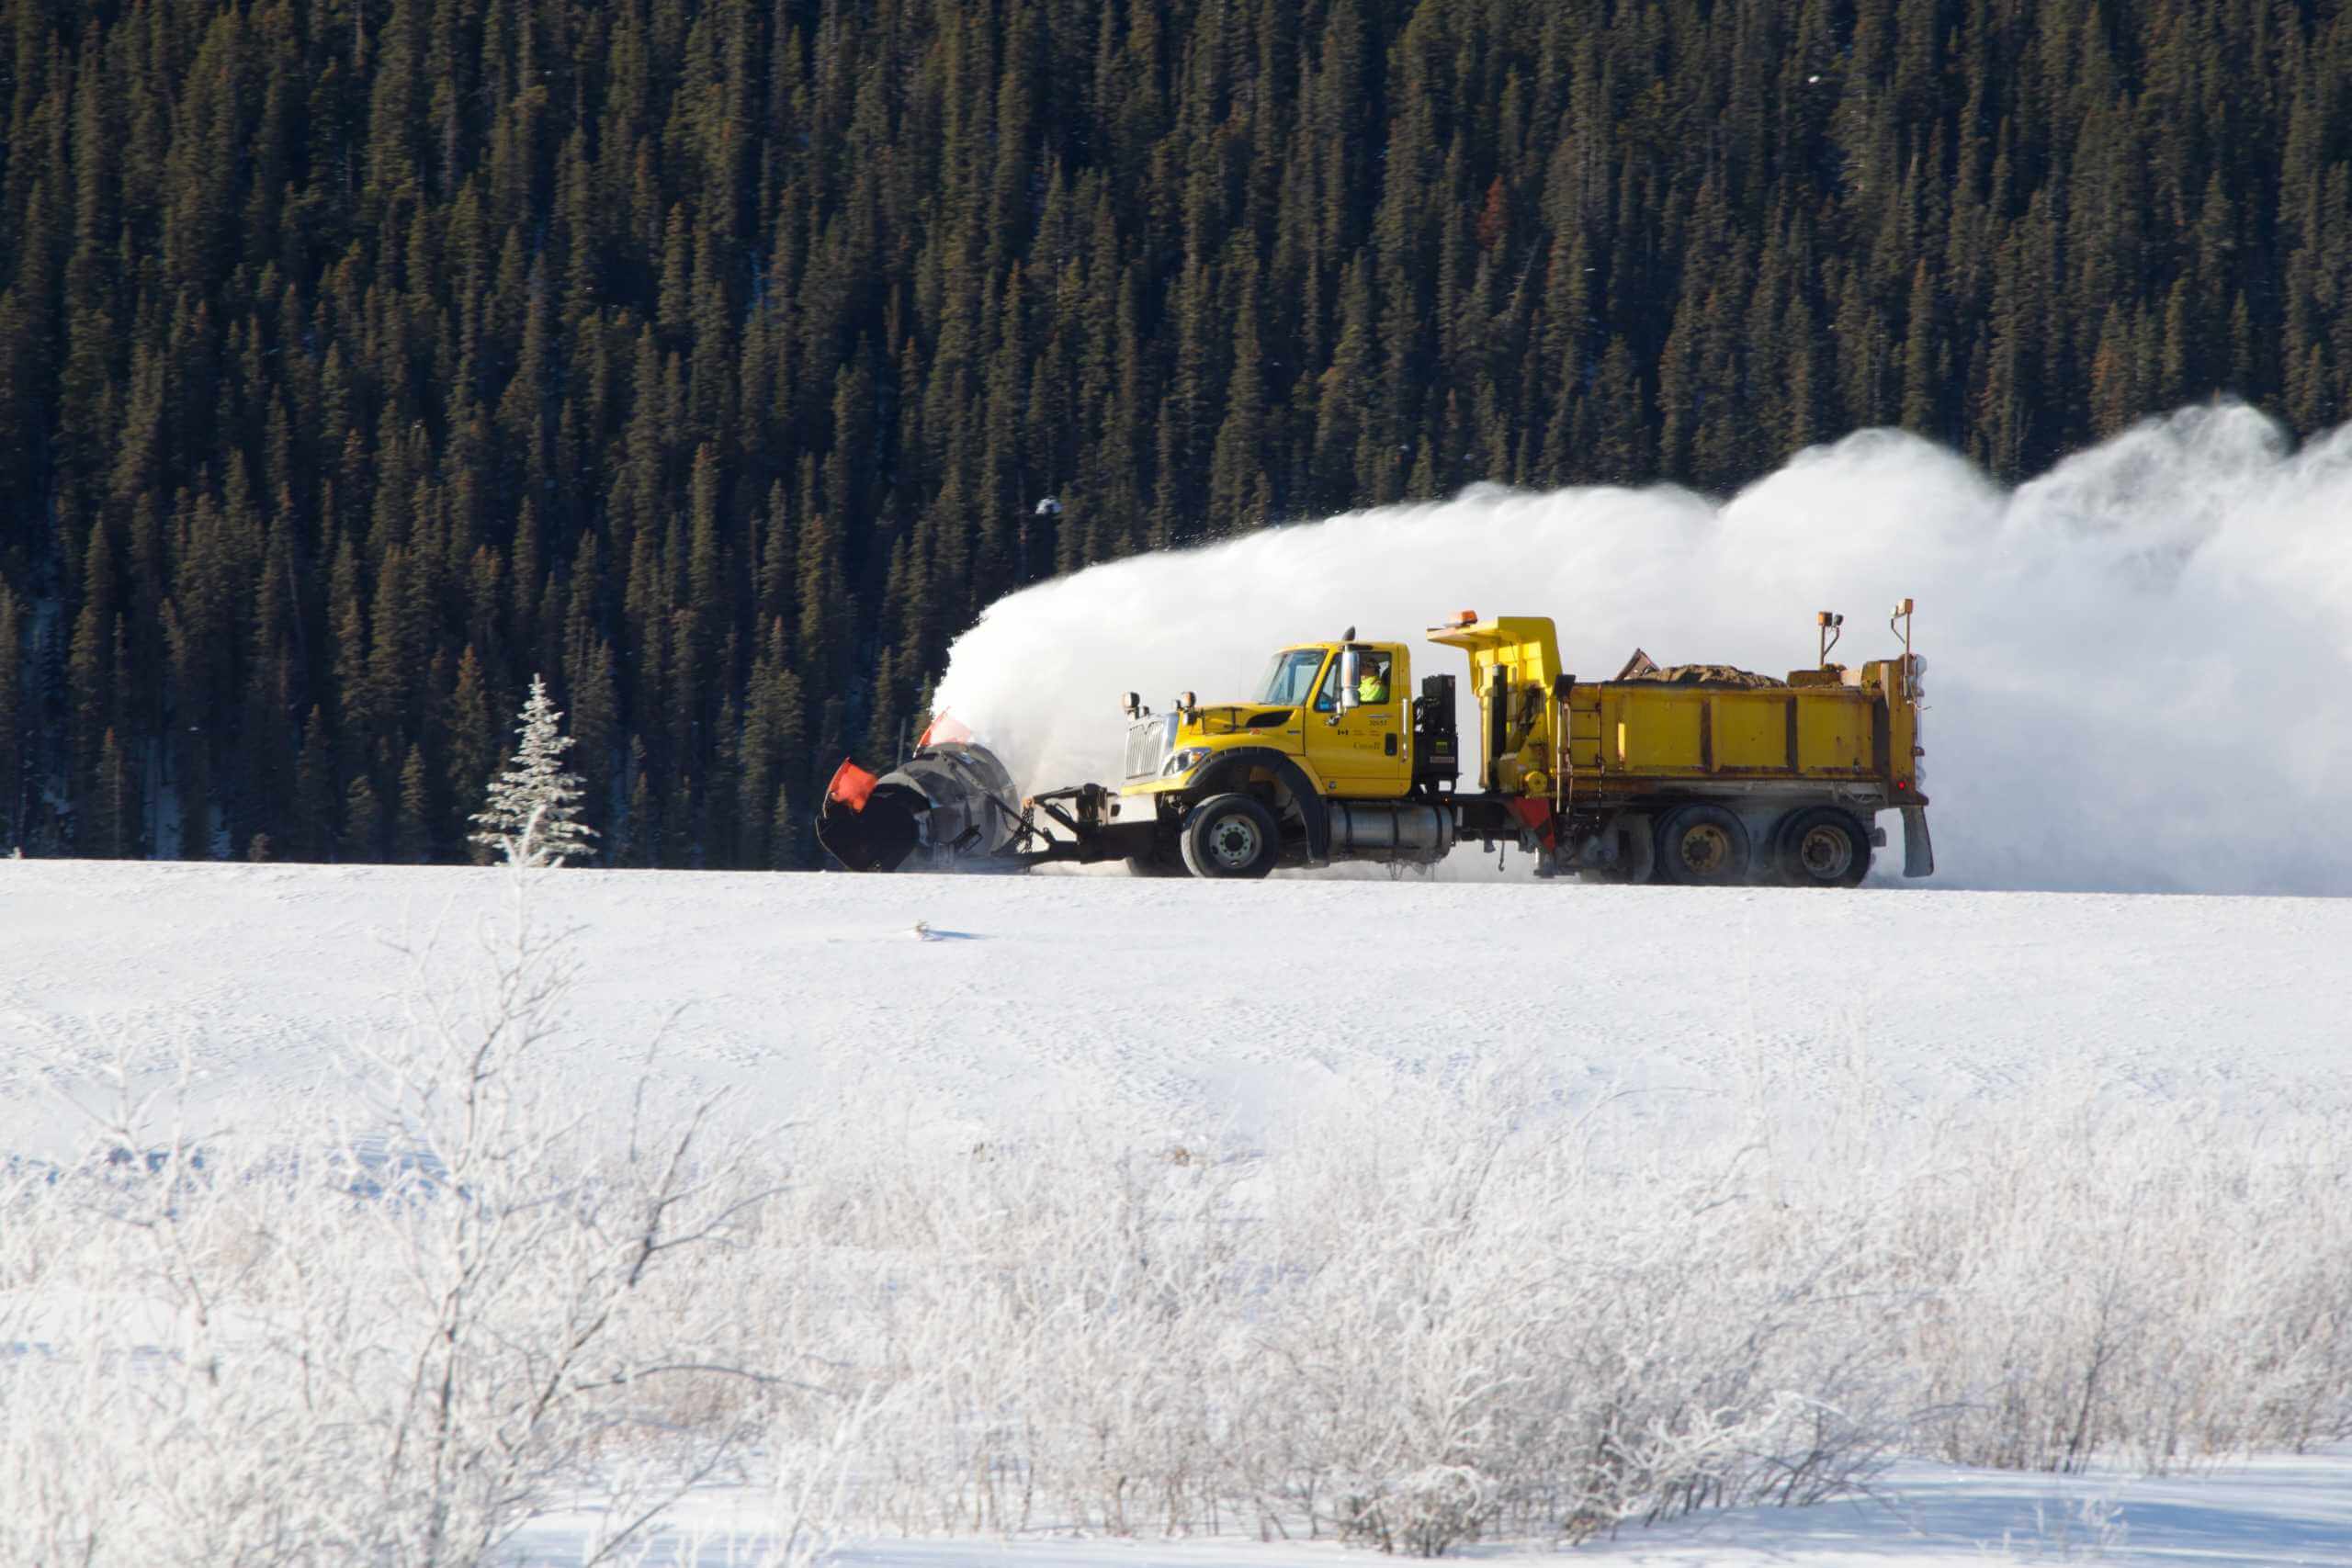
column 361, row 358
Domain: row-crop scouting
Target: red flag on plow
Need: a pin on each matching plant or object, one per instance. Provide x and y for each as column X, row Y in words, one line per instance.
column 851, row 785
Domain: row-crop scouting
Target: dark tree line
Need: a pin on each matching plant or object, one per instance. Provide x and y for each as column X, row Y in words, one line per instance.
column 360, row 357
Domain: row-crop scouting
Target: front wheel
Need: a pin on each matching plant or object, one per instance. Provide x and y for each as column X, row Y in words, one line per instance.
column 1159, row 862
column 1231, row 835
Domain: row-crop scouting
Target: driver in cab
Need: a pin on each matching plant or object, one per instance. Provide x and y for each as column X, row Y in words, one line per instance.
column 1372, row 683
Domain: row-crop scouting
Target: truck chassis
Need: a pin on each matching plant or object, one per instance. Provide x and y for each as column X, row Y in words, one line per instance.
column 1610, row 843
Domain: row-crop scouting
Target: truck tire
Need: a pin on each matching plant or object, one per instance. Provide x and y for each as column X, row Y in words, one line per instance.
column 1230, row 836
column 1701, row 845
column 1637, row 857
column 1822, row 847
column 1159, row 862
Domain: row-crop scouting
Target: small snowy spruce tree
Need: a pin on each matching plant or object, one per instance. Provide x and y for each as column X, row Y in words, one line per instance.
column 531, row 817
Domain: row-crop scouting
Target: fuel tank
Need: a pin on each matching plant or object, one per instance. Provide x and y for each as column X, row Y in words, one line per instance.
column 949, row 806
column 1403, row 831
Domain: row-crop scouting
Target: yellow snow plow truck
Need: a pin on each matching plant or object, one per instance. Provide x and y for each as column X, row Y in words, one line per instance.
column 1700, row 774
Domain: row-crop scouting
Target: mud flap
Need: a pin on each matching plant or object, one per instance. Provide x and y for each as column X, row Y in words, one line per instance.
column 1918, row 851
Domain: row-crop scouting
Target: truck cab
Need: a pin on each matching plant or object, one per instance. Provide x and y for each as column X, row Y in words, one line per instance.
column 1357, row 726
column 1342, row 711
column 1333, row 741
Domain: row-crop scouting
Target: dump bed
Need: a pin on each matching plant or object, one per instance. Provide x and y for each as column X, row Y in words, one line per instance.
column 1551, row 735
column 1640, row 730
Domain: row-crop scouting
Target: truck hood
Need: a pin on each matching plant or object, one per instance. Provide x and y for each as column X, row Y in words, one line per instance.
column 1231, row 719
column 1151, row 741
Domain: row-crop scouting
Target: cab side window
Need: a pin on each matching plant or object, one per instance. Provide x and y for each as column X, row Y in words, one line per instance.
column 1371, row 680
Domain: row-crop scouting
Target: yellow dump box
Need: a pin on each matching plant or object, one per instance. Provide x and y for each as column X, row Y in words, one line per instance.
column 1702, row 772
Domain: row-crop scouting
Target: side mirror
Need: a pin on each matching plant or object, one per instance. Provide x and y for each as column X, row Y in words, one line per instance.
column 1351, row 671
column 1129, row 702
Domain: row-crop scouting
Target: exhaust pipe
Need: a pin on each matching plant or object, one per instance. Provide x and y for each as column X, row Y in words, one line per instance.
column 949, row 804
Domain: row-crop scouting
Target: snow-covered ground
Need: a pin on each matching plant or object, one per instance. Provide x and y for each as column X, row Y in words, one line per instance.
column 1001, row 1003
column 1205, row 1003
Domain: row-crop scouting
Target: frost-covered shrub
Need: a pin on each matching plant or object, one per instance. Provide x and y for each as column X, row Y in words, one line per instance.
column 395, row 1342
column 2157, row 1282
column 1423, row 1512
column 1453, row 1305
column 1418, row 1312
column 1413, row 1320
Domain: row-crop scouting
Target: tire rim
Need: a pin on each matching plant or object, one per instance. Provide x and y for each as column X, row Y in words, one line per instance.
column 1233, row 842
column 1825, row 852
column 1706, row 849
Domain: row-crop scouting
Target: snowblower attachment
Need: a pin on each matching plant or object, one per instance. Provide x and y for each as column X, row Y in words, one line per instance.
column 947, row 806
column 951, row 806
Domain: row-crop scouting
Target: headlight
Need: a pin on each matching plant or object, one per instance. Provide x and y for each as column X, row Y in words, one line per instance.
column 1185, row 761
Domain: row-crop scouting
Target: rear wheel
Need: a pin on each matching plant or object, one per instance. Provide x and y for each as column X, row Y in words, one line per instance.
column 1636, row 854
column 1231, row 835
column 1823, row 847
column 1701, row 845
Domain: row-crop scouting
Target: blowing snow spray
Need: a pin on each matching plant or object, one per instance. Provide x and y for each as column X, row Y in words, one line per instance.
column 2142, row 660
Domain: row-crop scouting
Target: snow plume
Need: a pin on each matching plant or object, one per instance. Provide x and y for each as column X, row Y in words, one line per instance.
column 2139, row 664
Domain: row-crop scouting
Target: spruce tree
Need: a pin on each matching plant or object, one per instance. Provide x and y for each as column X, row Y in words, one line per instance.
column 412, row 827
column 363, row 822
column 316, row 823
column 13, row 782
column 114, row 822
column 531, row 817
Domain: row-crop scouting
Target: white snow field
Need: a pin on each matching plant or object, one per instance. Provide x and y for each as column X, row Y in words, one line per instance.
column 1200, row 1004
column 1765, row 1187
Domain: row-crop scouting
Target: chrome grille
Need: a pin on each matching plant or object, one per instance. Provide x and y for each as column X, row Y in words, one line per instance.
column 1148, row 743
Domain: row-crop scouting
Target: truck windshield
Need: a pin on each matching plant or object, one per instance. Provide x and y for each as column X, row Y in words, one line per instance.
column 1290, row 678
